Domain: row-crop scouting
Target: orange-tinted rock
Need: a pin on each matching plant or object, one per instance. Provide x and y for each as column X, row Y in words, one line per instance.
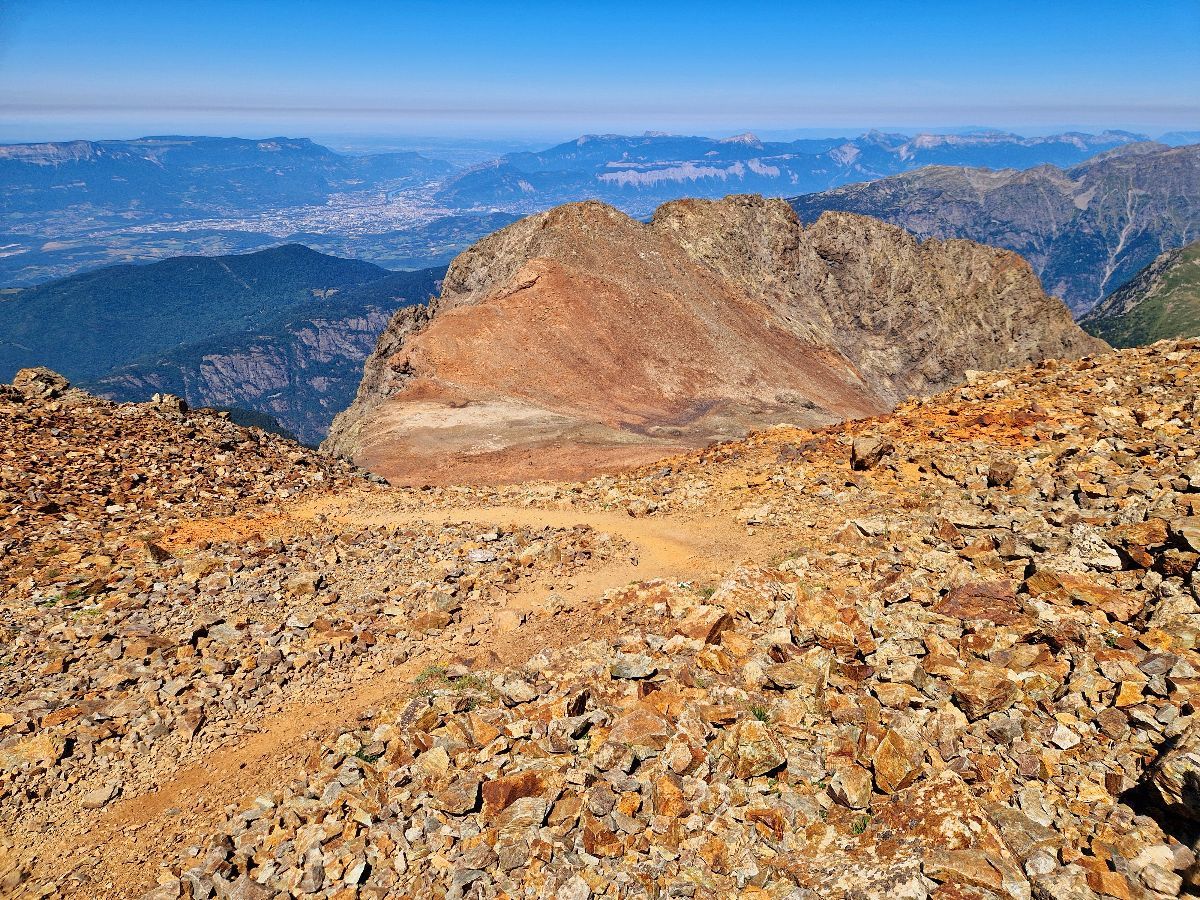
column 704, row 623
column 993, row 601
column 984, row 689
column 757, row 751
column 770, row 821
column 668, row 797
column 434, row 620
column 500, row 793
column 598, row 840
column 641, row 727
column 896, row 763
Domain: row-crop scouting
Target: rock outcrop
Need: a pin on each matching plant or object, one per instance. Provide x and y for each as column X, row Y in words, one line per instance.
column 580, row 337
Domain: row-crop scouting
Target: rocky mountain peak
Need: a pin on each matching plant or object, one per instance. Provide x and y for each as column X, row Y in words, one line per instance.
column 583, row 334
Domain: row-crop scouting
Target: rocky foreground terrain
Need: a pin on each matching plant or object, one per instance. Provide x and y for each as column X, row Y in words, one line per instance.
column 945, row 653
column 581, row 337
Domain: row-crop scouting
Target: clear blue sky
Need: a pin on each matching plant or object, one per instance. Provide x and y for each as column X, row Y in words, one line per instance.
column 81, row 69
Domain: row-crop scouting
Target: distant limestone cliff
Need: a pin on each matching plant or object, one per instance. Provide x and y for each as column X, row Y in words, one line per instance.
column 580, row 338
column 280, row 332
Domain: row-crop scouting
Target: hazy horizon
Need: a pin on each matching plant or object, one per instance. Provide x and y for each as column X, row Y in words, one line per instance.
column 368, row 141
column 543, row 73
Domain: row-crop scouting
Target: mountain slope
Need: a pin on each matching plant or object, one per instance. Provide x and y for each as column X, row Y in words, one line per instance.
column 638, row 173
column 1163, row 301
column 280, row 331
column 580, row 336
column 301, row 368
column 1086, row 230
column 87, row 324
column 230, row 669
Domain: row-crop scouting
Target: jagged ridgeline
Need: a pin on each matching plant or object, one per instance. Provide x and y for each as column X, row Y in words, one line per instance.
column 1086, row 230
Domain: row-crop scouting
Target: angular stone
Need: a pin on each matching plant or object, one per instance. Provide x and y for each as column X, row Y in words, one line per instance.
column 304, row 584
column 1176, row 774
column 993, row 601
column 669, row 797
column 895, row 762
column 432, row 620
column 1187, row 530
column 98, row 798
column 632, row 666
column 524, row 812
column 598, row 840
column 984, row 689
column 501, row 793
column 866, row 451
column 757, row 750
column 851, row 787
column 704, row 623
column 642, row 726
column 807, row 673
column 1001, row 473
column 459, row 797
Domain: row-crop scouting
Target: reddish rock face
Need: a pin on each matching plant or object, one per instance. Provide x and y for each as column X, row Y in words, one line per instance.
column 994, row 602
column 579, row 339
column 501, row 793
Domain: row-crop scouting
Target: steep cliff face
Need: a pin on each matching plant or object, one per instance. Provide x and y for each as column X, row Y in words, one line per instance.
column 301, row 374
column 282, row 332
column 580, row 337
column 1086, row 230
column 1163, row 301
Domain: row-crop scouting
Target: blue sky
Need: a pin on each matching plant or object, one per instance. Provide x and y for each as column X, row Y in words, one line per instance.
column 108, row 67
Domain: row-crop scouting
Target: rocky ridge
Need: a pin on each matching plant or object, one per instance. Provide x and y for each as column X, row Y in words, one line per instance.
column 1086, row 229
column 949, row 652
column 580, row 335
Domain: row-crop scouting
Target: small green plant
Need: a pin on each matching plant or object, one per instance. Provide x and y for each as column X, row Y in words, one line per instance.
column 429, row 673
column 469, row 683
column 760, row 712
column 860, row 824
column 361, row 753
column 707, row 591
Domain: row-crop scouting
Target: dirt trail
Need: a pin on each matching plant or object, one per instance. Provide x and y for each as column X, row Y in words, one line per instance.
column 193, row 800
column 664, row 546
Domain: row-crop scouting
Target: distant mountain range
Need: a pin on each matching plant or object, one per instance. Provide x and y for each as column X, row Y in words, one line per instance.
column 282, row 332
column 1162, row 301
column 71, row 206
column 637, row 173
column 1086, row 229
column 174, row 175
